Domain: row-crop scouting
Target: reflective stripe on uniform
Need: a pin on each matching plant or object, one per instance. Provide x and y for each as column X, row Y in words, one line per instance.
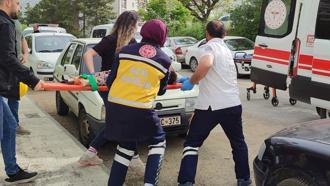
column 122, row 160
column 130, row 103
column 125, row 151
column 150, row 61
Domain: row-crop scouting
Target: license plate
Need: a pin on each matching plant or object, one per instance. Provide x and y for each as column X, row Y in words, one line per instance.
column 170, row 121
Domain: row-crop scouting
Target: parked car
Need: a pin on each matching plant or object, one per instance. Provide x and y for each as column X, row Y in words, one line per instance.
column 174, row 108
column 53, row 28
column 179, row 46
column 45, row 48
column 241, row 48
column 226, row 21
column 297, row 156
column 100, row 31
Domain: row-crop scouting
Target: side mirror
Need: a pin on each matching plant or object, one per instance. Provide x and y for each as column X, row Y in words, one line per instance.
column 70, row 70
column 240, row 55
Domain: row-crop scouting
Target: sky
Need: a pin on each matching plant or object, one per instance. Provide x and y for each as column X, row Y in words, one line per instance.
column 32, row 3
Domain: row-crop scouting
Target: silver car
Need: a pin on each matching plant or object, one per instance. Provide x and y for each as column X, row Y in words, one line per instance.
column 179, row 46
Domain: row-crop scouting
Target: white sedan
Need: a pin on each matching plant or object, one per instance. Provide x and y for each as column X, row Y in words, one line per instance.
column 241, row 47
column 45, row 48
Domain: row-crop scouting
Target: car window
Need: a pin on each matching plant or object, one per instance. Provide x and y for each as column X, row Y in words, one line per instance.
column 185, row 41
column 29, row 41
column 323, row 20
column 50, row 44
column 97, row 62
column 99, row 33
column 77, row 56
column 68, row 54
column 239, row 44
column 202, row 43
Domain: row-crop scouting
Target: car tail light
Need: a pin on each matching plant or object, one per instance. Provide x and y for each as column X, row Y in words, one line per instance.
column 178, row 51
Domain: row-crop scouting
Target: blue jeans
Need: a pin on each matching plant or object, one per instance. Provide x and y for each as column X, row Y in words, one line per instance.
column 13, row 105
column 8, row 126
column 202, row 124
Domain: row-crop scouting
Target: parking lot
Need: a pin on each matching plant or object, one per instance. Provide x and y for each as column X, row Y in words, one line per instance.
column 260, row 120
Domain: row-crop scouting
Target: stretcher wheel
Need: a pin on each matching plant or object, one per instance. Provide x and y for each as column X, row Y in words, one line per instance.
column 248, row 95
column 293, row 101
column 266, row 95
column 275, row 102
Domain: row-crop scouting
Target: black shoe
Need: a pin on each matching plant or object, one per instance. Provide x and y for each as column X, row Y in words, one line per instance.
column 21, row 177
column 243, row 182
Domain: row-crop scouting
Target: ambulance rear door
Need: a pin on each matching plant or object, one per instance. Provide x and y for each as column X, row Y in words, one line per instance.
column 321, row 62
column 273, row 44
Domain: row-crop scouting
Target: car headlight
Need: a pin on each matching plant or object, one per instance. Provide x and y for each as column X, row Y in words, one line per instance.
column 190, row 104
column 45, row 65
column 103, row 113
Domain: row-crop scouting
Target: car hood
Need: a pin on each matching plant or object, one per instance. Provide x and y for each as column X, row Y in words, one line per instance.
column 315, row 131
column 178, row 93
column 48, row 57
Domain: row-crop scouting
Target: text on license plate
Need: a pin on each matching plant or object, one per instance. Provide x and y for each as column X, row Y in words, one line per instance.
column 172, row 120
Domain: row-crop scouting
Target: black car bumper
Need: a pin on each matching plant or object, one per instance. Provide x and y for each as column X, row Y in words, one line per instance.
column 259, row 173
column 171, row 130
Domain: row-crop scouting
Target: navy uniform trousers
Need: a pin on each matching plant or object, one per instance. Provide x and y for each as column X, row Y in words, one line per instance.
column 202, row 124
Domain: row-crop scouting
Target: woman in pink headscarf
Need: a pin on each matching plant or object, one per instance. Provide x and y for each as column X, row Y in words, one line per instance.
column 139, row 74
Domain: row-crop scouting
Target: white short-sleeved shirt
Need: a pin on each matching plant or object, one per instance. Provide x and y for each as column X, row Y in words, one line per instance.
column 219, row 88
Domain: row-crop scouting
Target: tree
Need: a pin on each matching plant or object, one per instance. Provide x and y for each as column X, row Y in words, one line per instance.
column 201, row 9
column 245, row 19
column 172, row 12
column 70, row 14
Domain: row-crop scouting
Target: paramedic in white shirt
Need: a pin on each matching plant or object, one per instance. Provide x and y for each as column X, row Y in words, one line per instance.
column 218, row 103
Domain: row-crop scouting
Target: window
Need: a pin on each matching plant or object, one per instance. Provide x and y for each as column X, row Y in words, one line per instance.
column 277, row 18
column 97, row 62
column 239, row 44
column 51, row 44
column 77, row 56
column 323, row 20
column 29, row 41
column 99, row 33
column 68, row 55
column 202, row 43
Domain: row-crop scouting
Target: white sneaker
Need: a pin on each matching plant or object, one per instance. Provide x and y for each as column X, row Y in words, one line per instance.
column 89, row 159
column 137, row 166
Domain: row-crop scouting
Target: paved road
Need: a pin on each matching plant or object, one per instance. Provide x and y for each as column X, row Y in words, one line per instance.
column 260, row 119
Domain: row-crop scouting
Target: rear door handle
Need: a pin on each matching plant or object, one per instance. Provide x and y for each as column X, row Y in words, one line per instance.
column 263, row 45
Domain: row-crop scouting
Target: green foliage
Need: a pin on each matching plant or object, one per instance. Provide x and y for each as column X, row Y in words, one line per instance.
column 70, row 13
column 245, row 19
column 173, row 13
column 194, row 29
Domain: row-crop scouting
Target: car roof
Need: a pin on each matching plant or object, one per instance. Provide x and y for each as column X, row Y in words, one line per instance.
column 234, row 37
column 104, row 26
column 50, row 34
column 46, row 28
column 87, row 41
column 180, row 37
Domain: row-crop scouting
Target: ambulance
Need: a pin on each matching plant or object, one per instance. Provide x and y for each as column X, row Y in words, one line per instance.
column 292, row 50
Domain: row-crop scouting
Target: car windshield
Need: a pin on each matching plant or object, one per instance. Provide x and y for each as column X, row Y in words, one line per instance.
column 99, row 33
column 185, row 41
column 50, row 44
column 239, row 44
column 97, row 62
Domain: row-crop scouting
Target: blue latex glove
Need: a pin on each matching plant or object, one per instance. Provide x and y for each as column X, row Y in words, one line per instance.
column 182, row 79
column 186, row 85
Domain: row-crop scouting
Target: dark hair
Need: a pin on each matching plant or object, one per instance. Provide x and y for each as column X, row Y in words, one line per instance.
column 216, row 29
column 172, row 78
column 124, row 28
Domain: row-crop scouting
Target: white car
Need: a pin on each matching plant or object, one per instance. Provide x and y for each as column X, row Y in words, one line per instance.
column 45, row 48
column 179, row 46
column 44, row 28
column 175, row 107
column 242, row 50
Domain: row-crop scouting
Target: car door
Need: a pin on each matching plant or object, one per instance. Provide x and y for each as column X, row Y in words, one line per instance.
column 277, row 31
column 29, row 43
column 59, row 74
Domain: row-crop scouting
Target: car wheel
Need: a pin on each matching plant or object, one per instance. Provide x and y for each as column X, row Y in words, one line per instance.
column 193, row 64
column 61, row 108
column 238, row 74
column 85, row 130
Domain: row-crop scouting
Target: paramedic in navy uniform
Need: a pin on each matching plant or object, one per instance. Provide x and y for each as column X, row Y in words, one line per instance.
column 139, row 74
column 218, row 103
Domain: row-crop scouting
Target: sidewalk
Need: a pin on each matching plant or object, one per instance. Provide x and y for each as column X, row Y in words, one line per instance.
column 52, row 152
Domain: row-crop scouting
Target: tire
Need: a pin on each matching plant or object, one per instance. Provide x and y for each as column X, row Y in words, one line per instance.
column 238, row 74
column 323, row 113
column 193, row 64
column 61, row 108
column 296, row 181
column 292, row 101
column 275, row 102
column 86, row 133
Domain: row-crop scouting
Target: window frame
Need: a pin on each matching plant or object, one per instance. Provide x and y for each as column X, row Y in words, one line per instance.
column 66, row 53
column 262, row 24
column 74, row 54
